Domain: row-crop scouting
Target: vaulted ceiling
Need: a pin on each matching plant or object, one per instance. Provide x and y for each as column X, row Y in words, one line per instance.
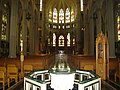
column 61, row 4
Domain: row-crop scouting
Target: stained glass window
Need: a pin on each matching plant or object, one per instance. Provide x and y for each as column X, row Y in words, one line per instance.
column 48, row 40
column 55, row 15
column 73, row 41
column 61, row 16
column 67, row 16
column 67, row 26
column 40, row 5
column 73, row 25
column 54, row 39
column 59, row 26
column 54, row 26
column 63, row 27
column 68, row 39
column 50, row 15
column 81, row 1
column 61, row 40
column 72, row 15
column 118, row 27
column 4, row 26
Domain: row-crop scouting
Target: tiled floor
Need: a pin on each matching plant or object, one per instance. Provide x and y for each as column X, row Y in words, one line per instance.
column 106, row 86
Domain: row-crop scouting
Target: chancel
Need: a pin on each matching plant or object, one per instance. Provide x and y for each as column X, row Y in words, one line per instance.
column 45, row 41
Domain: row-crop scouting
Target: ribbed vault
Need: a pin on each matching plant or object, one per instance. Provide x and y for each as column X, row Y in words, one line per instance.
column 61, row 4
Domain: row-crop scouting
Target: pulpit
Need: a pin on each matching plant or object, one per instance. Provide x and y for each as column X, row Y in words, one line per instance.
column 102, row 56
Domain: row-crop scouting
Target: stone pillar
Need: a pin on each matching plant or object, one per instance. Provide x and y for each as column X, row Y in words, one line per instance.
column 0, row 24
column 0, row 20
column 21, row 59
column 43, row 25
column 24, row 28
column 98, row 21
column 24, row 32
column 13, row 28
column 78, row 28
column 37, row 32
column 32, row 36
column 110, row 27
column 91, row 38
column 86, row 38
column 8, row 26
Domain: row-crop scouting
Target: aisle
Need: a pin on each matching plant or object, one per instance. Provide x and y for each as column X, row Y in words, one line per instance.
column 107, row 86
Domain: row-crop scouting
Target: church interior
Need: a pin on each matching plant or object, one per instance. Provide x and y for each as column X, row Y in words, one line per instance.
column 33, row 31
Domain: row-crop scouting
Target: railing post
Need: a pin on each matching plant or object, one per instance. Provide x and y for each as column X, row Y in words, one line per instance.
column 81, row 77
column 99, row 84
column 43, row 87
column 34, row 87
column 80, row 87
column 28, row 86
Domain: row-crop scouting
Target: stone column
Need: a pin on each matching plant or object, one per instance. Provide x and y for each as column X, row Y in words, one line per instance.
column 98, row 21
column 43, row 25
column 37, row 32
column 110, row 27
column 0, row 20
column 0, row 24
column 24, row 28
column 78, row 28
column 86, row 37
column 13, row 28
column 32, row 35
column 91, row 38
column 8, row 26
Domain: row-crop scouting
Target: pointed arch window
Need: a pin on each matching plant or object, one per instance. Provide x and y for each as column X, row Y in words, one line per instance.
column 4, row 27
column 72, row 15
column 55, row 15
column 40, row 5
column 81, row 2
column 61, row 16
column 118, row 27
column 50, row 15
column 54, row 39
column 68, row 39
column 73, row 41
column 67, row 16
column 61, row 40
column 4, row 22
column 48, row 41
column 54, row 26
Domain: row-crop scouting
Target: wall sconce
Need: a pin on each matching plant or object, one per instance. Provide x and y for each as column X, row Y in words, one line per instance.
column 28, row 16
